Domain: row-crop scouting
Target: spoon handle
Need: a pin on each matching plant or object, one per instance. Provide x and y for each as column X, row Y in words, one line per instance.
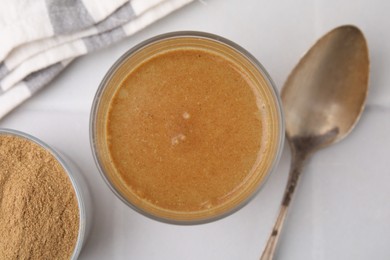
column 297, row 162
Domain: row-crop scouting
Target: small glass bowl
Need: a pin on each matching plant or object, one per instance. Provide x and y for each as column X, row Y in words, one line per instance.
column 154, row 46
column 78, row 183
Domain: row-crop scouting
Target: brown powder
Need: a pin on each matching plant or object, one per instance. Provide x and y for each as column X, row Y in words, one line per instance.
column 39, row 216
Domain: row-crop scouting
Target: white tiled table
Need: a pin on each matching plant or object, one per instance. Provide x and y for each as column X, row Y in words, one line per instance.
column 342, row 209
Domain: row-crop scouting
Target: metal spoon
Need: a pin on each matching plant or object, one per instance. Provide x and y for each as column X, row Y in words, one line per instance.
column 323, row 99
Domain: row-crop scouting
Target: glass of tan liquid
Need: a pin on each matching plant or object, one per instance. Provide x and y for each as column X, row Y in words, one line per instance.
column 186, row 127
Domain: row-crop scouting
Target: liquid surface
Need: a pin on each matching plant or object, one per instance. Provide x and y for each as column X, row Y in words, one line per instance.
column 184, row 130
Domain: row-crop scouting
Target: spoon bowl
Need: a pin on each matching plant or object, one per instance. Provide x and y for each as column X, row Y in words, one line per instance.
column 327, row 89
column 323, row 99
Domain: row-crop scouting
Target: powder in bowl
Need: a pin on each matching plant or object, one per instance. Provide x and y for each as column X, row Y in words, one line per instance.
column 39, row 214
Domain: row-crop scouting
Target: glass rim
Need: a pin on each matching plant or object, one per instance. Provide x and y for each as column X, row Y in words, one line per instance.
column 186, row 34
column 75, row 185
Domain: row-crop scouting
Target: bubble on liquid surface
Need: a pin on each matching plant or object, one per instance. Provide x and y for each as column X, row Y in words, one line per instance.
column 186, row 115
column 178, row 138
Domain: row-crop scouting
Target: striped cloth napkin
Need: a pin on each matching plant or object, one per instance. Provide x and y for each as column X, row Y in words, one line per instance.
column 40, row 38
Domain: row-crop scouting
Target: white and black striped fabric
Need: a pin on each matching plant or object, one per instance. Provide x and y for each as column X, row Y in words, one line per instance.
column 40, row 38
